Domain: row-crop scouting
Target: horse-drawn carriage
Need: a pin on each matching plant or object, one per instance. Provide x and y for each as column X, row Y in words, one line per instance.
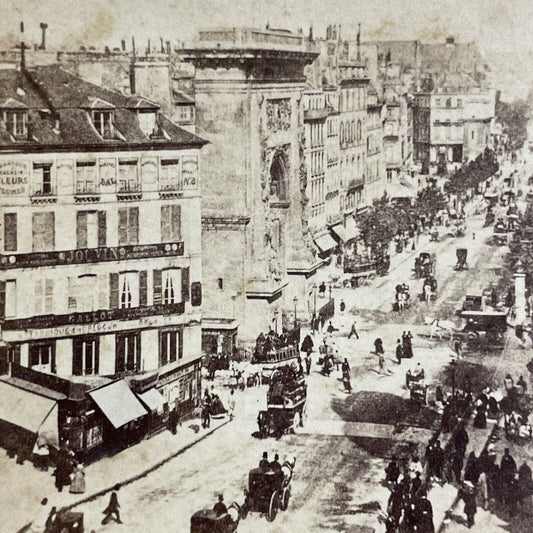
column 492, row 324
column 357, row 271
column 424, row 265
column 416, row 385
column 286, row 398
column 429, row 289
column 208, row 521
column 402, row 299
column 461, row 254
column 268, row 490
column 499, row 237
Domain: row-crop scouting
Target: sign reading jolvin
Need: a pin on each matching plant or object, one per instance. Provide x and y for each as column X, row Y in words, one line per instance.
column 91, row 255
column 190, row 173
column 14, row 178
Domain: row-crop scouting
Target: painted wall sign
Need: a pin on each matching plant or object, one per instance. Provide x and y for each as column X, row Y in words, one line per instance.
column 65, row 172
column 108, row 174
column 14, row 178
column 149, row 169
column 190, row 172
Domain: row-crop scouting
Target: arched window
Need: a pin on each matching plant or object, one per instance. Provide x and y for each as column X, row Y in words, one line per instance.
column 359, row 134
column 278, row 183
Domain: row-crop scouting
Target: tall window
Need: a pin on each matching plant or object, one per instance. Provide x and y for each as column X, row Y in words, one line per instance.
column 128, row 176
column 10, row 232
column 82, row 293
column 43, row 231
column 16, row 123
column 8, row 299
column 90, row 229
column 85, row 356
column 44, row 296
column 359, row 132
column 171, row 286
column 86, row 181
column 103, row 122
column 128, row 352
column 42, row 356
column 128, row 226
column 42, row 179
column 128, row 286
column 169, row 347
column 169, row 177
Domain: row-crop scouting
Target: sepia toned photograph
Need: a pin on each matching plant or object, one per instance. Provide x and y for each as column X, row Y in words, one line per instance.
column 266, row 267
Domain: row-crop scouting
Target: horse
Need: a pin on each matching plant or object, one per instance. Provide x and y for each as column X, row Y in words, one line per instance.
column 437, row 326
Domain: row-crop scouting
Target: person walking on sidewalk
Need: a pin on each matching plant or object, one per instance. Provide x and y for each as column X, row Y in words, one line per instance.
column 231, row 404
column 468, row 494
column 399, row 351
column 353, row 330
column 112, row 512
column 308, row 364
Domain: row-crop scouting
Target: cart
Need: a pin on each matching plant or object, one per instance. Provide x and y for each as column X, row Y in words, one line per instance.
column 268, row 491
column 492, row 324
column 499, row 236
column 424, row 265
column 69, row 522
column 207, row 521
column 462, row 254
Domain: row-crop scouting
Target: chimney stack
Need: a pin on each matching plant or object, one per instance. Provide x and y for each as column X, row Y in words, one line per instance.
column 43, row 35
column 162, row 46
column 148, row 49
column 168, row 47
column 133, row 45
column 123, row 44
column 22, row 48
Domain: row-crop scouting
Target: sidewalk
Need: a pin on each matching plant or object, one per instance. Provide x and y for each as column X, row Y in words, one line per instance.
column 123, row 468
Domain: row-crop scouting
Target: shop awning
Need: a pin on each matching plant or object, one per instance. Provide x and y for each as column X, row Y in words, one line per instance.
column 153, row 399
column 346, row 231
column 118, row 403
column 401, row 191
column 325, row 242
column 28, row 410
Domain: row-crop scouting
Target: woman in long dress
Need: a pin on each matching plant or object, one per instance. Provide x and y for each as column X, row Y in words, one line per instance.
column 77, row 486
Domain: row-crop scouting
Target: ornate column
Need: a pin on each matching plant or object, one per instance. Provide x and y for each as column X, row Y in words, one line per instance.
column 520, row 293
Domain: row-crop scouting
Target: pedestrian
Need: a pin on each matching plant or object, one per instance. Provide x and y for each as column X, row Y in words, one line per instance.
column 308, row 364
column 231, row 404
column 457, row 465
column 378, row 346
column 264, row 463
column 521, row 383
column 458, row 346
column 220, row 507
column 342, row 306
column 77, row 485
column 468, row 495
column 392, row 471
column 172, row 422
column 471, row 473
column 525, row 485
column 461, row 439
column 415, row 467
column 408, row 346
column 353, row 331
column 307, row 345
column 399, row 351
column 424, row 514
column 483, row 490
column 438, row 459
column 382, row 365
column 416, row 483
column 206, row 416
column 112, row 512
column 62, row 471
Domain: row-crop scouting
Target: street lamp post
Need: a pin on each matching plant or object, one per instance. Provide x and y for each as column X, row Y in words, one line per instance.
column 330, row 287
column 295, row 316
column 453, row 365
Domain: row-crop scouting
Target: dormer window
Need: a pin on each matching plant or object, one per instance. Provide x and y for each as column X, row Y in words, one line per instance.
column 16, row 123
column 148, row 122
column 104, row 123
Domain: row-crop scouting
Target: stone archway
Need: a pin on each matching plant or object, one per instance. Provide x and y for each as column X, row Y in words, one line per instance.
column 278, row 177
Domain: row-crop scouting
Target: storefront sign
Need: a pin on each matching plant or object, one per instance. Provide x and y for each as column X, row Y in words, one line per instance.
column 104, row 321
column 91, row 255
column 190, row 173
column 178, row 372
column 149, row 170
column 14, row 178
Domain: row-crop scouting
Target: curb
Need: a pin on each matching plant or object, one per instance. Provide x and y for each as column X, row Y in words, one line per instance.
column 144, row 473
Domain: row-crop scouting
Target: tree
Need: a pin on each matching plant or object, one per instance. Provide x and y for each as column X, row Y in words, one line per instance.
column 430, row 201
column 514, row 117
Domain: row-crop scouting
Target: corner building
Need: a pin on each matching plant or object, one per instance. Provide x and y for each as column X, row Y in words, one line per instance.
column 100, row 264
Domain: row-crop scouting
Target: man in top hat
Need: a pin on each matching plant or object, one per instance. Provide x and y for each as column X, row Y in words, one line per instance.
column 264, row 463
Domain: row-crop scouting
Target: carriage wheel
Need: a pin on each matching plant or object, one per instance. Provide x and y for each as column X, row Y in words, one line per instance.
column 285, row 496
column 273, row 506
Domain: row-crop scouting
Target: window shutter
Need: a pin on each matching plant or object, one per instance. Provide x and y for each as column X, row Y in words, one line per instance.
column 165, row 223
column 133, row 225
column 77, row 356
column 185, row 284
column 176, row 222
column 180, row 344
column 173, row 347
column 2, row 299
column 38, row 297
column 143, row 287
column 49, row 232
column 158, row 279
column 10, row 232
column 81, row 229
column 113, row 290
column 161, row 348
column 102, row 228
column 96, row 356
column 53, row 358
column 196, row 293
column 48, row 296
column 122, row 227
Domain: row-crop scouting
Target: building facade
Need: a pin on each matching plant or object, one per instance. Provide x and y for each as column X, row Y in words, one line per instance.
column 100, row 266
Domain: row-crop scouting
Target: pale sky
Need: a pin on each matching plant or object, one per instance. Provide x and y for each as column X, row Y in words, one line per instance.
column 497, row 25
